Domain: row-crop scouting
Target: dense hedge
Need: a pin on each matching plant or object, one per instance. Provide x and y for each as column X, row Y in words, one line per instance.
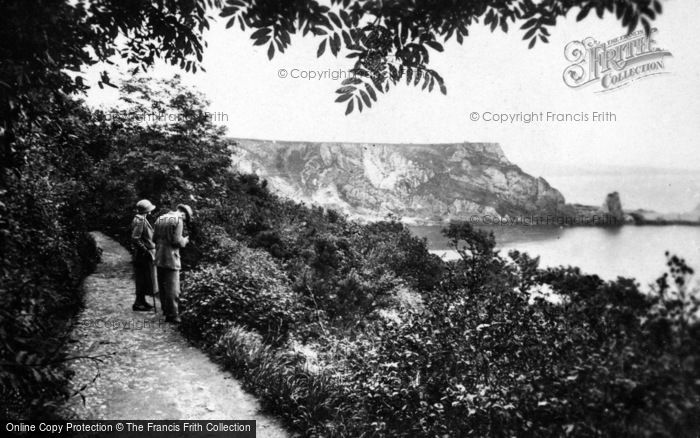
column 45, row 254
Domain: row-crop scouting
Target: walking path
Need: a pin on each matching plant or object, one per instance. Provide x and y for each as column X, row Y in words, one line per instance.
column 148, row 370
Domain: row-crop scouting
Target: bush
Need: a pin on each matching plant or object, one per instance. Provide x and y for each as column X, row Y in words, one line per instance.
column 251, row 291
column 45, row 255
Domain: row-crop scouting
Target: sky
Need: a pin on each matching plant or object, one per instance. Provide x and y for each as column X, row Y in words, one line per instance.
column 656, row 126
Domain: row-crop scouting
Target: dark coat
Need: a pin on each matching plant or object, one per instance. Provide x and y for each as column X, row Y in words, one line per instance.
column 142, row 237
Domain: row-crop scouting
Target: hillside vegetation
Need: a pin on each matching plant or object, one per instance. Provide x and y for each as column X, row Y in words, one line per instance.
column 345, row 329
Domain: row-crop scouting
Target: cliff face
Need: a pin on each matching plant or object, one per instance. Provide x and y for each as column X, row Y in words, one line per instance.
column 420, row 183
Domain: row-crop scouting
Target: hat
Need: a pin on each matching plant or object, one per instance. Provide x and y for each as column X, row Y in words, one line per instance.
column 145, row 206
column 187, row 210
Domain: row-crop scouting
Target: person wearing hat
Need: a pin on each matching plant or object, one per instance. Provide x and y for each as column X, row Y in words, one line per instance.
column 169, row 239
column 144, row 255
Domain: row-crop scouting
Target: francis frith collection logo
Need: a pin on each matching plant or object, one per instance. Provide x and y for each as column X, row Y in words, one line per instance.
column 610, row 65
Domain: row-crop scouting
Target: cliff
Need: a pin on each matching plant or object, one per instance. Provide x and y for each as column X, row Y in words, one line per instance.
column 424, row 183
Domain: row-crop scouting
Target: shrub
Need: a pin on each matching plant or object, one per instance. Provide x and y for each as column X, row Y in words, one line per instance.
column 391, row 245
column 313, row 402
column 45, row 255
column 250, row 291
column 343, row 283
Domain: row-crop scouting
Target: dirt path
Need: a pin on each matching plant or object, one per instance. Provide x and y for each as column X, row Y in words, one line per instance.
column 149, row 371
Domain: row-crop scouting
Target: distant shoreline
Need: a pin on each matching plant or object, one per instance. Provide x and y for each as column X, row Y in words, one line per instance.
column 633, row 224
column 576, row 215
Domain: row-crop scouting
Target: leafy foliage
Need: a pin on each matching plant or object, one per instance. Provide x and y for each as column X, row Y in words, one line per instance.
column 284, row 384
column 483, row 358
column 169, row 158
column 44, row 48
column 251, row 291
column 44, row 254
column 391, row 41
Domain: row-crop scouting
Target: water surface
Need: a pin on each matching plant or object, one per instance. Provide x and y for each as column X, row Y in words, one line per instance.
column 629, row 251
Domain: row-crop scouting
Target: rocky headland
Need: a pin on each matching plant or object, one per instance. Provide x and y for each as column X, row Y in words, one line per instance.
column 650, row 217
column 422, row 184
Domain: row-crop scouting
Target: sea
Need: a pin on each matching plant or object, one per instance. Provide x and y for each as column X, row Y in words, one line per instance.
column 665, row 191
column 628, row 251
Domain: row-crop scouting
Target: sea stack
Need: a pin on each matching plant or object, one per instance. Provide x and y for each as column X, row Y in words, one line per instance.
column 613, row 207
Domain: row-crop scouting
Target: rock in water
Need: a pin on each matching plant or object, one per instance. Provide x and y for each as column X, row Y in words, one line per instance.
column 417, row 182
column 613, row 207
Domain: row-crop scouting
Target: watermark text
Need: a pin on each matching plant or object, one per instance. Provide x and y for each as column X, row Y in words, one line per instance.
column 526, row 117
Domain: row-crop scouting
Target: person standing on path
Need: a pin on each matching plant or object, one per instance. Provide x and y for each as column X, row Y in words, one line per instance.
column 144, row 255
column 169, row 239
